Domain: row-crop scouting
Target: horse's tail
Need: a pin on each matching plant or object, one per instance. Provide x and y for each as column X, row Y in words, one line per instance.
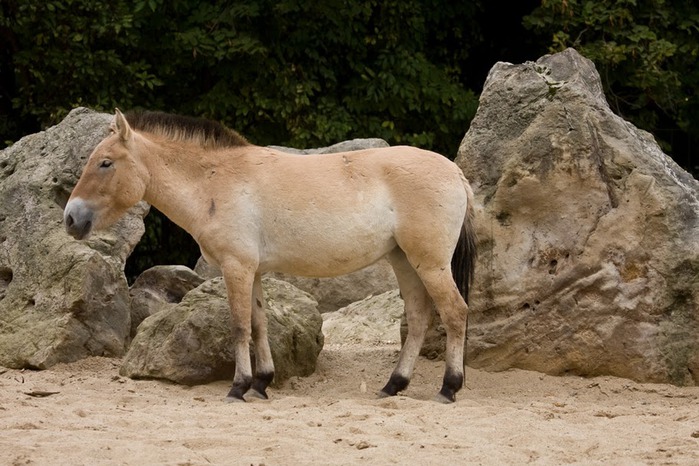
column 463, row 262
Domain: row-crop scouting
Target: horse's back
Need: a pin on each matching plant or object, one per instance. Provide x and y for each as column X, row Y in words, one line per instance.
column 353, row 173
column 386, row 181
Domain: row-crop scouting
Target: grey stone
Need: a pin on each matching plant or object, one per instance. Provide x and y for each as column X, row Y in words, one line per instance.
column 159, row 285
column 373, row 320
column 589, row 259
column 60, row 299
column 331, row 293
column 337, row 292
column 344, row 146
column 191, row 343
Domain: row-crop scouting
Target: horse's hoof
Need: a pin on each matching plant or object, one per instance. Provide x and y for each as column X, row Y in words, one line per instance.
column 383, row 394
column 233, row 399
column 443, row 399
column 253, row 393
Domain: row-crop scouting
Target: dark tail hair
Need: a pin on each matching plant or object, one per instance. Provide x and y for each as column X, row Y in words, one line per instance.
column 463, row 262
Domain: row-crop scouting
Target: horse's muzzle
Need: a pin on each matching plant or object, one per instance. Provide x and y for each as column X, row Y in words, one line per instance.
column 78, row 218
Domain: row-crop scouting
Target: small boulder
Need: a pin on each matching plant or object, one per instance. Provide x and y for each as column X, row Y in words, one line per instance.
column 331, row 293
column 157, row 286
column 373, row 320
column 190, row 342
column 337, row 292
column 344, row 146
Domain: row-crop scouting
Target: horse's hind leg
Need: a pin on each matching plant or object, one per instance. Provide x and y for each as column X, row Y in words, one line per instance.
column 264, row 365
column 454, row 313
column 418, row 314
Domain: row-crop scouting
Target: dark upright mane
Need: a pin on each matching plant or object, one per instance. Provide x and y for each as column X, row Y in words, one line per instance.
column 207, row 133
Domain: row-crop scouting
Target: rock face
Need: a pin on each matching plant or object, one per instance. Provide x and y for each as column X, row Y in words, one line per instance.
column 60, row 299
column 331, row 293
column 588, row 233
column 190, row 342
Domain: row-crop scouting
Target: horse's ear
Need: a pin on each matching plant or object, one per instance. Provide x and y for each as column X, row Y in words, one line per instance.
column 121, row 126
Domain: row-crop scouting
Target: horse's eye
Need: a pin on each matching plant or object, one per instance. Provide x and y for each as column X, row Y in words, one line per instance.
column 106, row 163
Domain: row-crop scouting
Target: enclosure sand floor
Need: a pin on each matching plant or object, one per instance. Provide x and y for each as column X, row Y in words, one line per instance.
column 85, row 413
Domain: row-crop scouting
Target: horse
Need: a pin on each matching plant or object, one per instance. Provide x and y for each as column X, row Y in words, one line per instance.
column 254, row 210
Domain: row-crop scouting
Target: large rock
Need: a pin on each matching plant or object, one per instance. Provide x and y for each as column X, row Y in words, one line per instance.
column 60, row 299
column 190, row 342
column 588, row 233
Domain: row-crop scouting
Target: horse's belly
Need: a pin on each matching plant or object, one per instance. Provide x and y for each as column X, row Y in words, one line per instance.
column 319, row 249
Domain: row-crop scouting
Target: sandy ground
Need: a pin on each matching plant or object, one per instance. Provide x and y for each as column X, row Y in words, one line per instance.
column 91, row 415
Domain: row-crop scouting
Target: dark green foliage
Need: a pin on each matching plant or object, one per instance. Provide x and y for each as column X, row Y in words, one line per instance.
column 57, row 55
column 163, row 243
column 646, row 52
column 285, row 72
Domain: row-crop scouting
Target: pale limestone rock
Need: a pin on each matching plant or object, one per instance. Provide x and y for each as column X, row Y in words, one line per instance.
column 589, row 258
column 190, row 342
column 60, row 299
column 373, row 320
column 337, row 292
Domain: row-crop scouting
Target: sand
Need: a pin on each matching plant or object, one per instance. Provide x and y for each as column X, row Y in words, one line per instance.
column 85, row 413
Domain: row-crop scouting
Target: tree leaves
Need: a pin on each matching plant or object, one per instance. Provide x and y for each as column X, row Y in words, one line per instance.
column 646, row 54
column 283, row 72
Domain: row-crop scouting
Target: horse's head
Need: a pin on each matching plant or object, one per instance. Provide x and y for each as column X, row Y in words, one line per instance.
column 112, row 181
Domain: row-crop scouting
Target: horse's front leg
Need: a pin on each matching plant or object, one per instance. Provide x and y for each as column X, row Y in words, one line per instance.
column 264, row 365
column 239, row 284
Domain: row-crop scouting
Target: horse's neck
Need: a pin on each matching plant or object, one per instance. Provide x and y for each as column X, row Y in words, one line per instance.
column 174, row 188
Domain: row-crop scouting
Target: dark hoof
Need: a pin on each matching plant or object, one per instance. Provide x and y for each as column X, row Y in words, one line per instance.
column 237, row 391
column 253, row 393
column 259, row 386
column 232, row 399
column 453, row 381
column 440, row 398
column 397, row 383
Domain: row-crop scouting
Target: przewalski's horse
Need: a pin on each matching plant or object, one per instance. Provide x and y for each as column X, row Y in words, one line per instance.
column 253, row 210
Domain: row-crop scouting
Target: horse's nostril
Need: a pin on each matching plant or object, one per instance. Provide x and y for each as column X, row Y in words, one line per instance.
column 69, row 221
